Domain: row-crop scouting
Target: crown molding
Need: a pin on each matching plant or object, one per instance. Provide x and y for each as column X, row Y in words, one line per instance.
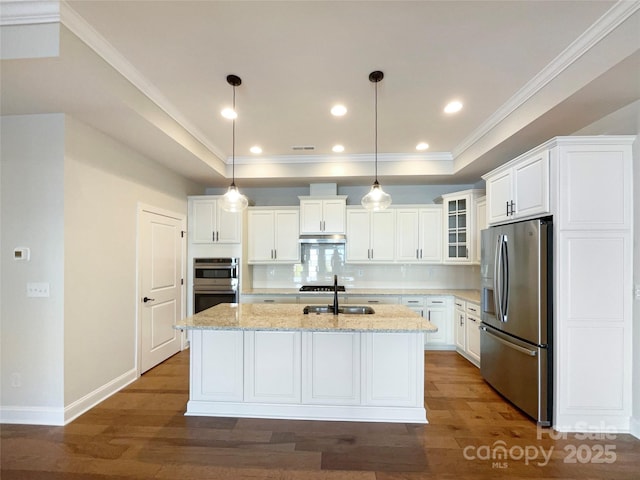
column 85, row 32
column 29, row 12
column 608, row 22
column 354, row 158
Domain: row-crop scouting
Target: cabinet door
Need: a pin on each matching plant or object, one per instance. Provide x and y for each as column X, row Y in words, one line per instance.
column 531, row 185
column 460, row 329
column 481, row 224
column 331, row 367
column 473, row 337
column 382, row 239
column 333, row 216
column 458, row 222
column 272, row 367
column 358, row 228
column 407, row 235
column 203, row 221
column 430, row 235
column 229, row 227
column 261, row 234
column 438, row 316
column 287, row 248
column 310, row 216
column 221, row 355
column 390, row 369
column 500, row 194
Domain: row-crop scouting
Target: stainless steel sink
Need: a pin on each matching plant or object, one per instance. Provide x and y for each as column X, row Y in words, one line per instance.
column 349, row 309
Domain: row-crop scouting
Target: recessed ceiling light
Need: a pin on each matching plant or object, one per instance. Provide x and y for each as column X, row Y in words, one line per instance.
column 422, row 146
column 338, row 110
column 338, row 148
column 255, row 149
column 229, row 113
column 453, row 107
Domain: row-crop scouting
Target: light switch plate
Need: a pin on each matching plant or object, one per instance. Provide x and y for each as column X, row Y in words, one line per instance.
column 40, row 289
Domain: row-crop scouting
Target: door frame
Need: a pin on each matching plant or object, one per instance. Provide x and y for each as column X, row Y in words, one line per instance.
column 182, row 218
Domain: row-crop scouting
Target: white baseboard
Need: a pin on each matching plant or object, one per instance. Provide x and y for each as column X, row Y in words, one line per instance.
column 84, row 404
column 634, row 427
column 16, row 414
column 339, row 413
column 32, row 415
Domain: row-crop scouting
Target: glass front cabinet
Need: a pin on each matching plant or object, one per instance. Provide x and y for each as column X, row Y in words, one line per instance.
column 459, row 225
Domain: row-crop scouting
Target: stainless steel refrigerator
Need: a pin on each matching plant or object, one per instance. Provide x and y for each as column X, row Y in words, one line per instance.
column 516, row 344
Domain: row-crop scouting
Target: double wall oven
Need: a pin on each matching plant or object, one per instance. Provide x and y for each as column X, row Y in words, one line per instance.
column 215, row 280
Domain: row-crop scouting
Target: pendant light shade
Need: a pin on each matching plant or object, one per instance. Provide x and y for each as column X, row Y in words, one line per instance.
column 233, row 200
column 376, row 199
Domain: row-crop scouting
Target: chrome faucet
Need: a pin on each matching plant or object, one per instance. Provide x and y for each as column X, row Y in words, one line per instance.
column 335, row 294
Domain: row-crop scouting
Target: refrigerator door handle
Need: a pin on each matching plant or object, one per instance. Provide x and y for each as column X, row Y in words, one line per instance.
column 526, row 351
column 504, row 295
column 497, row 279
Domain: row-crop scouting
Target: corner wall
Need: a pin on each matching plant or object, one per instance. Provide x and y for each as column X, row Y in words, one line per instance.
column 71, row 194
column 105, row 181
column 31, row 210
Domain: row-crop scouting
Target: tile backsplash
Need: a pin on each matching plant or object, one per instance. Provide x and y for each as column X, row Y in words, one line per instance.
column 368, row 275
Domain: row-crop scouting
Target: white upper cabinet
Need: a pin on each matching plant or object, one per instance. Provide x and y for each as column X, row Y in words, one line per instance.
column 209, row 223
column 481, row 224
column 322, row 215
column 460, row 226
column 273, row 236
column 419, row 234
column 519, row 189
column 370, row 235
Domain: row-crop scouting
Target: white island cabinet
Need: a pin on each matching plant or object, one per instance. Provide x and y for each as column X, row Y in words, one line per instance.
column 272, row 361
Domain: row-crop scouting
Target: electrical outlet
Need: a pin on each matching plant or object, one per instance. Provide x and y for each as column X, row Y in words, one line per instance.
column 636, row 291
column 38, row 289
column 16, row 380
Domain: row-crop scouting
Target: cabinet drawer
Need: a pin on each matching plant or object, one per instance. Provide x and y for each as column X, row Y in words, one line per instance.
column 460, row 304
column 437, row 301
column 413, row 301
column 372, row 300
column 269, row 299
column 473, row 309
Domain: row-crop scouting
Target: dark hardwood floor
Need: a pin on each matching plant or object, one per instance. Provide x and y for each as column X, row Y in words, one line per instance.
column 141, row 433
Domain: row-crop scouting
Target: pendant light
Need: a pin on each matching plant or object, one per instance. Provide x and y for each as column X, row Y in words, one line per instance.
column 376, row 199
column 233, row 200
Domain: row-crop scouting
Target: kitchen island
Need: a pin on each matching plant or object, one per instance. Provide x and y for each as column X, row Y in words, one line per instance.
column 274, row 361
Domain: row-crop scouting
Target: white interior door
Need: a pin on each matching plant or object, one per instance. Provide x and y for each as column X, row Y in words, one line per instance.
column 160, row 268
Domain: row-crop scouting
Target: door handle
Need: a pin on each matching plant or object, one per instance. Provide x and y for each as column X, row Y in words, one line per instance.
column 526, row 351
column 147, row 299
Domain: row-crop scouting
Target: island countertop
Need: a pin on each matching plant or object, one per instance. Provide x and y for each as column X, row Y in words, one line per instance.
column 239, row 316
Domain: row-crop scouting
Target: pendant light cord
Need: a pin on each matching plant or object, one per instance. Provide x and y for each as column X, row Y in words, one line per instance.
column 233, row 141
column 376, row 132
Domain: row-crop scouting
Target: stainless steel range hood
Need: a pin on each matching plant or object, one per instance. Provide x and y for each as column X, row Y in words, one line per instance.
column 320, row 238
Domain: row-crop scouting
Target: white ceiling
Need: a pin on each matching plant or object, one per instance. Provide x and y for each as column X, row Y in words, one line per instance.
column 152, row 74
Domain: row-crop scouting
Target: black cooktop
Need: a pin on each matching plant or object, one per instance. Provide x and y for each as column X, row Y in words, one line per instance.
column 320, row 288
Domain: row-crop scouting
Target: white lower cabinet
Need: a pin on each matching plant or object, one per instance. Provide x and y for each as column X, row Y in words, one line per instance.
column 342, row 376
column 272, row 367
column 331, row 368
column 473, row 332
column 460, row 322
column 416, row 303
column 467, row 330
column 390, row 371
column 439, row 311
column 217, row 365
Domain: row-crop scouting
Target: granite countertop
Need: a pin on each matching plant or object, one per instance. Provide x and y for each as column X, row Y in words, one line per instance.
column 467, row 295
column 234, row 316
